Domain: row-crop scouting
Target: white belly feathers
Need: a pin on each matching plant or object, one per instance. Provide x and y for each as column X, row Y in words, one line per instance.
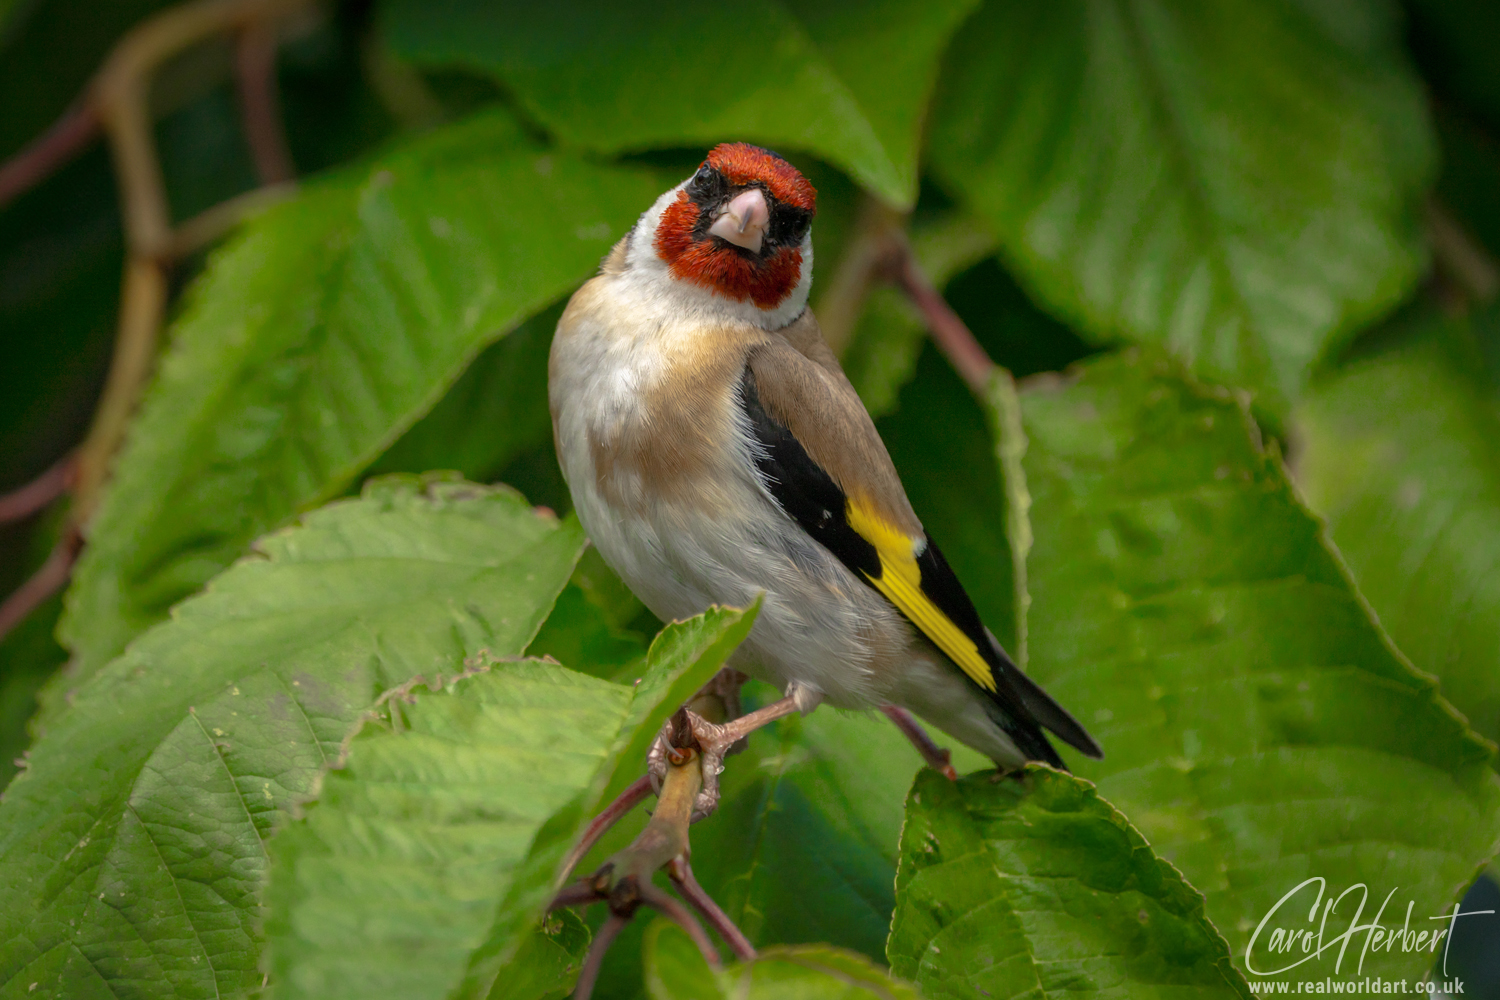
column 703, row 529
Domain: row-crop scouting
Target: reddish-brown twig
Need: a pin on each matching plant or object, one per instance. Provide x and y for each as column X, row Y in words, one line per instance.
column 577, row 894
column 589, row 974
column 45, row 582
column 1460, row 255
column 679, row 915
column 940, row 759
column 867, row 255
column 949, row 332
column 69, row 136
column 260, row 111
column 689, row 751
column 634, row 794
column 41, row 491
column 682, row 876
column 116, row 101
column 142, row 303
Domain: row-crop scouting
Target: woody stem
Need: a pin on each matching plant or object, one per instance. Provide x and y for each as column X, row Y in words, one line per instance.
column 632, row 796
column 949, row 332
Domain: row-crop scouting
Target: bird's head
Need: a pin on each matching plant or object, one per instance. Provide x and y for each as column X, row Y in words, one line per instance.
column 739, row 229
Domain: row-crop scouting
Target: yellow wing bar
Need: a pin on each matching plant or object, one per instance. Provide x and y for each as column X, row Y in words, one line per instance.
column 900, row 580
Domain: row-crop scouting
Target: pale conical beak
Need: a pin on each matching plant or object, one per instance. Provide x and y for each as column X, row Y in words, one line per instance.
column 744, row 220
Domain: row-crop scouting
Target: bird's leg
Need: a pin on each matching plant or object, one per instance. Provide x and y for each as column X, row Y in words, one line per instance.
column 719, row 700
column 938, row 758
column 713, row 741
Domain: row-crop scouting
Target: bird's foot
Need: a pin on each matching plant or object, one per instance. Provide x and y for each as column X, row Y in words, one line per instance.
column 688, row 731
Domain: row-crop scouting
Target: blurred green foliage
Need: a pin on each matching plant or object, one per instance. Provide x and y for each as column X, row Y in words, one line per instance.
column 1218, row 234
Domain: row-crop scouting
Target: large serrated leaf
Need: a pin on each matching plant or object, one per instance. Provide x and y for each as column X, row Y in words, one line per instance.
column 803, row 847
column 846, row 81
column 433, row 850
column 320, row 334
column 132, row 848
column 1401, row 453
column 675, row 970
column 1234, row 179
column 1259, row 728
column 494, row 412
column 1036, row 886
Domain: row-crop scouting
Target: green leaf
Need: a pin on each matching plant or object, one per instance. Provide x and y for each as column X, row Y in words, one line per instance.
column 1401, row 453
column 494, row 412
column 1258, row 726
column 434, row 849
column 133, row 846
column 28, row 656
column 1037, row 886
column 1234, row 179
column 578, row 633
column 803, row 847
column 547, row 961
column 846, row 81
column 683, row 657
column 675, row 970
column 318, row 336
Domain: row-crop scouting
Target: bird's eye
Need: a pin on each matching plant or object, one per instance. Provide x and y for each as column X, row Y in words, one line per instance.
column 704, row 184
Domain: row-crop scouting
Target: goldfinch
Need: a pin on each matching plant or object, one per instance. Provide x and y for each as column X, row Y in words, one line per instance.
column 715, row 451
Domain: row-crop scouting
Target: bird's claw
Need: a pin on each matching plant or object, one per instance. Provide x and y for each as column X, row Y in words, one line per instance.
column 680, row 735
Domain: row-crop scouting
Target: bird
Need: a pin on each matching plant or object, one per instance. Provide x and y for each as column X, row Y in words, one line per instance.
column 716, row 452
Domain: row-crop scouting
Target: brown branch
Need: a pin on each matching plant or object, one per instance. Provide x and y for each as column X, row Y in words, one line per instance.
column 577, row 894
column 117, row 101
column 624, row 881
column 589, row 974
column 679, row 915
column 633, row 795
column 120, row 91
column 41, row 491
column 142, row 303
column 45, row 582
column 940, row 759
column 119, row 96
column 260, row 109
column 875, row 243
column 664, row 838
column 1461, row 256
column 69, row 136
column 213, row 223
column 689, row 750
column 949, row 332
column 682, row 876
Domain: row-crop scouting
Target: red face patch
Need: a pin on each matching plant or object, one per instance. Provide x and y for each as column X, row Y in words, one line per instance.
column 712, row 263
column 742, row 163
column 767, row 283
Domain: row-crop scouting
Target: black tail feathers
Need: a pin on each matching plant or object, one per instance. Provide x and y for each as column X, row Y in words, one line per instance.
column 1047, row 712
